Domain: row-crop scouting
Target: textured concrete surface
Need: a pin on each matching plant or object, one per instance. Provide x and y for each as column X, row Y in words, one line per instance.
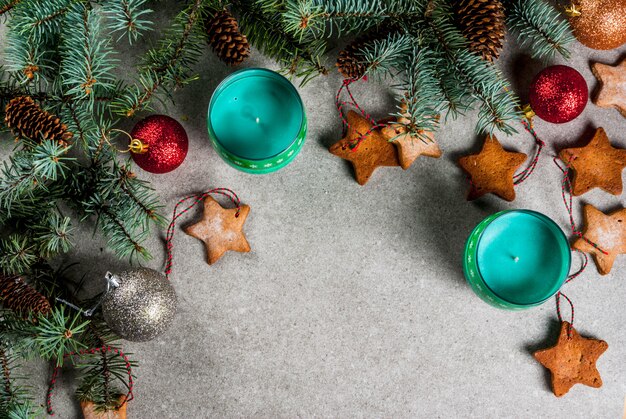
column 352, row 302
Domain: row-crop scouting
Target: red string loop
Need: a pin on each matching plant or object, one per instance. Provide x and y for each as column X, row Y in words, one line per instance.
column 104, row 349
column 169, row 237
column 559, row 314
column 566, row 187
column 525, row 174
column 341, row 103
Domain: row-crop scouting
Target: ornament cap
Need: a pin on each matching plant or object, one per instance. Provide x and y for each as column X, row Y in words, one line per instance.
column 137, row 146
column 572, row 10
column 113, row 281
column 528, row 112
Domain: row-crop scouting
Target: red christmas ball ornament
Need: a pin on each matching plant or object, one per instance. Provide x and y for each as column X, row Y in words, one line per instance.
column 558, row 94
column 162, row 144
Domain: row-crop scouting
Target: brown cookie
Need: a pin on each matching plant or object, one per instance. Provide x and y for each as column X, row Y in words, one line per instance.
column 410, row 146
column 608, row 232
column 596, row 165
column 572, row 360
column 373, row 152
column 612, row 93
column 220, row 229
column 492, row 170
column 90, row 411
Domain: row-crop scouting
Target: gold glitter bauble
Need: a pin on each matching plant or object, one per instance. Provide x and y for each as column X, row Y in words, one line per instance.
column 601, row 24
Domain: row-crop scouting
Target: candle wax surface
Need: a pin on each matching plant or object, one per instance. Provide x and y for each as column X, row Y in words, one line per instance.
column 257, row 115
column 522, row 258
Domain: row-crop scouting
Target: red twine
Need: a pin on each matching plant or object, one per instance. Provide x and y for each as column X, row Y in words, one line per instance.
column 566, row 188
column 524, row 174
column 104, row 349
column 341, row 103
column 169, row 237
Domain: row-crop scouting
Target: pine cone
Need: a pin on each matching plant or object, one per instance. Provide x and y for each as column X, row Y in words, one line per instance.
column 27, row 119
column 226, row 39
column 483, row 24
column 21, row 298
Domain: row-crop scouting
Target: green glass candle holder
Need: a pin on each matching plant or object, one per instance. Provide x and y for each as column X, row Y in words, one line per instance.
column 256, row 120
column 516, row 259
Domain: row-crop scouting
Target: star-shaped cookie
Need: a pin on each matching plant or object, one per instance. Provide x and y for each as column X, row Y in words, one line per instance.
column 608, row 232
column 220, row 229
column 598, row 164
column 572, row 360
column 373, row 152
column 612, row 91
column 492, row 170
column 410, row 146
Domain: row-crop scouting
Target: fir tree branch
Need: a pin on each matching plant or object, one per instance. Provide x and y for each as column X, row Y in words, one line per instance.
column 384, row 57
column 325, row 18
column 53, row 234
column 539, row 27
column 15, row 402
column 87, row 62
column 297, row 59
column 119, row 238
column 169, row 64
column 40, row 20
column 8, row 5
column 128, row 18
column 138, row 191
column 499, row 106
column 25, row 58
column 18, row 254
column 424, row 98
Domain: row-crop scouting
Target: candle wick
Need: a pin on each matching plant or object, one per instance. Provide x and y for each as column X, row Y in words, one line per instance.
column 516, row 259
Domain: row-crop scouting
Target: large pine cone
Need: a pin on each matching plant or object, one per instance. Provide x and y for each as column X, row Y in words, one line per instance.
column 27, row 119
column 21, row 298
column 226, row 39
column 483, row 24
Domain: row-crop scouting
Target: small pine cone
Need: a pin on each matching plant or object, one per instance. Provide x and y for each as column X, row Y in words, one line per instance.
column 227, row 41
column 21, row 298
column 348, row 61
column 27, row 119
column 483, row 25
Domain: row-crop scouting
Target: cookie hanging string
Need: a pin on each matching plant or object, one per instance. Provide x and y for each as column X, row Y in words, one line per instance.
column 524, row 174
column 197, row 198
column 566, row 187
column 568, row 201
column 341, row 103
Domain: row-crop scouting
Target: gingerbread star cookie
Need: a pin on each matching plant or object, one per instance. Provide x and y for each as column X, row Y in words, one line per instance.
column 606, row 231
column 596, row 165
column 220, row 229
column 492, row 170
column 410, row 146
column 373, row 152
column 572, row 360
column 612, row 93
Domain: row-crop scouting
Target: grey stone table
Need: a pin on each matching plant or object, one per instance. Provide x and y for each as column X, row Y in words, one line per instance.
column 352, row 302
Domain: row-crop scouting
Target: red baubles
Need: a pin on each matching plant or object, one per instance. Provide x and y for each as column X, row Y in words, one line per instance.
column 166, row 142
column 558, row 94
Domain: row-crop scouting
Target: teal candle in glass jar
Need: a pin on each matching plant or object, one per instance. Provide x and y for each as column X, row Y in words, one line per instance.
column 256, row 120
column 516, row 259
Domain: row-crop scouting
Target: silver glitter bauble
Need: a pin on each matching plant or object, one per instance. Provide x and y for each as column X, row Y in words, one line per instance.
column 140, row 304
